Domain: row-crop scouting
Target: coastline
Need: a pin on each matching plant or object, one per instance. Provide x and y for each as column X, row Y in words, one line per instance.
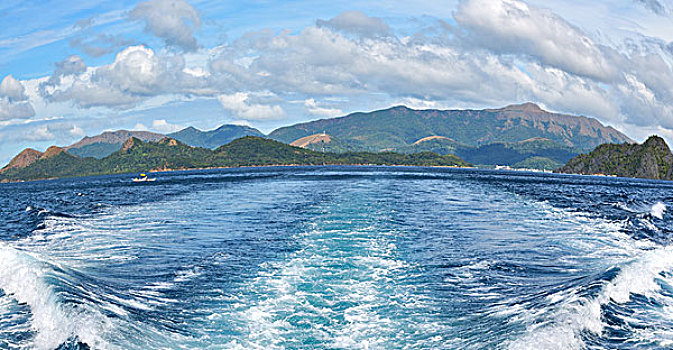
column 6, row 181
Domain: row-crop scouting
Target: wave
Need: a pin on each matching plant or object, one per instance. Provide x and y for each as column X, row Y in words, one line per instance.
column 23, row 277
column 658, row 210
column 576, row 316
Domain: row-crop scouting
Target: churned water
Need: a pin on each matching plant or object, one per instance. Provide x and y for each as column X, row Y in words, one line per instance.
column 337, row 258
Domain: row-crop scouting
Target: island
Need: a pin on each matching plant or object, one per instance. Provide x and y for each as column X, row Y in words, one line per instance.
column 650, row 160
column 168, row 154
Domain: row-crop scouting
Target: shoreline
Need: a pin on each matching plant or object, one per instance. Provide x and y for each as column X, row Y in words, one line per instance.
column 6, row 181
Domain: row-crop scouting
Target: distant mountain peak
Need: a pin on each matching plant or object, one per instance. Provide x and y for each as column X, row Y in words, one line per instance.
column 213, row 138
column 27, row 157
column 528, row 107
column 116, row 137
column 51, row 152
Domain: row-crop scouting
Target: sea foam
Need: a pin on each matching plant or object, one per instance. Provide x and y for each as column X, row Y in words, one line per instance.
column 23, row 278
column 658, row 210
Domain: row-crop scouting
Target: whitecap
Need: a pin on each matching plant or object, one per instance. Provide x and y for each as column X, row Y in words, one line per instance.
column 658, row 210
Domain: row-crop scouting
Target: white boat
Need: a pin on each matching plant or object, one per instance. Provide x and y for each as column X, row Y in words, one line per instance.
column 143, row 178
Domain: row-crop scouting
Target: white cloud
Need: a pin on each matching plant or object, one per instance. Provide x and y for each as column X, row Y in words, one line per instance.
column 356, row 22
column 161, row 125
column 239, row 104
column 40, row 133
column 140, row 127
column 13, row 100
column 12, row 89
column 135, row 75
column 76, row 131
column 313, row 108
column 654, row 6
column 50, row 131
column 172, row 20
column 512, row 26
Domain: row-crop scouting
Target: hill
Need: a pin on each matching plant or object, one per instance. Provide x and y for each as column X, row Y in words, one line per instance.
column 102, row 145
column 650, row 160
column 105, row 144
column 214, row 138
column 400, row 127
column 520, row 154
column 136, row 155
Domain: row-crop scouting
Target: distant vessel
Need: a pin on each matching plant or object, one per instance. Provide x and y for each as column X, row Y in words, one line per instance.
column 143, row 178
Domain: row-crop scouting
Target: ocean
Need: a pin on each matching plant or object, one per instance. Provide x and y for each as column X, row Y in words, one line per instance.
column 337, row 258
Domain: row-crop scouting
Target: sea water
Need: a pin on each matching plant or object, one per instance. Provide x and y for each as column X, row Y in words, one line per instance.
column 337, row 258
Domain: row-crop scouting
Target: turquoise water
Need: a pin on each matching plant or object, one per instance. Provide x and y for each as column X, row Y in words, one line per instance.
column 336, row 258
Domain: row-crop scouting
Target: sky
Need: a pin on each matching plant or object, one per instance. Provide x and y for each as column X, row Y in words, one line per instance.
column 72, row 70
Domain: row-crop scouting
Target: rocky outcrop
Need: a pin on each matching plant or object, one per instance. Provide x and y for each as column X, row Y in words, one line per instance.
column 651, row 160
column 130, row 143
column 312, row 139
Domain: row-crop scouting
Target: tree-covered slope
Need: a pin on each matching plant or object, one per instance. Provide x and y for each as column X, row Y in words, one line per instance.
column 108, row 142
column 511, row 153
column 399, row 127
column 651, row 160
column 214, row 138
column 167, row 154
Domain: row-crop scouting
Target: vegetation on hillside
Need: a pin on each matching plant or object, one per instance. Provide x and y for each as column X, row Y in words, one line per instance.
column 651, row 160
column 214, row 138
column 399, row 127
column 169, row 154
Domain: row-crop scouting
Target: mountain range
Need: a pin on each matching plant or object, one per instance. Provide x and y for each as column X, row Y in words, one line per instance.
column 103, row 145
column 136, row 155
column 400, row 127
column 521, row 135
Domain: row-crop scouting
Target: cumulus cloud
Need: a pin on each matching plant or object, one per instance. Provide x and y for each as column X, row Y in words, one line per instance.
column 512, row 26
column 140, row 127
column 654, row 6
column 240, row 105
column 72, row 65
column 161, row 125
column 135, row 75
column 14, row 102
column 172, row 20
column 313, row 108
column 356, row 22
column 12, row 89
column 51, row 131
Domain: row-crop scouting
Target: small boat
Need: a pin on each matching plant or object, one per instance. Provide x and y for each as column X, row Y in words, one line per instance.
column 143, row 178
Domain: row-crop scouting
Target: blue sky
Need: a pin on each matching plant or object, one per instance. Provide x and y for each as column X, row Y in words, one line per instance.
column 78, row 69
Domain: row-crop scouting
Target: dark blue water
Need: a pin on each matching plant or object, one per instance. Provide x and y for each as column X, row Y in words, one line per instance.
column 337, row 258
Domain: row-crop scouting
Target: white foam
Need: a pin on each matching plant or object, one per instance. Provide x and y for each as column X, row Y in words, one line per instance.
column 658, row 210
column 584, row 314
column 22, row 277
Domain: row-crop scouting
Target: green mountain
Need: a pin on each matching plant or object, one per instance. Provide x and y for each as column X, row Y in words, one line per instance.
column 214, row 138
column 103, row 145
column 399, row 128
column 513, row 153
column 651, row 160
column 170, row 154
